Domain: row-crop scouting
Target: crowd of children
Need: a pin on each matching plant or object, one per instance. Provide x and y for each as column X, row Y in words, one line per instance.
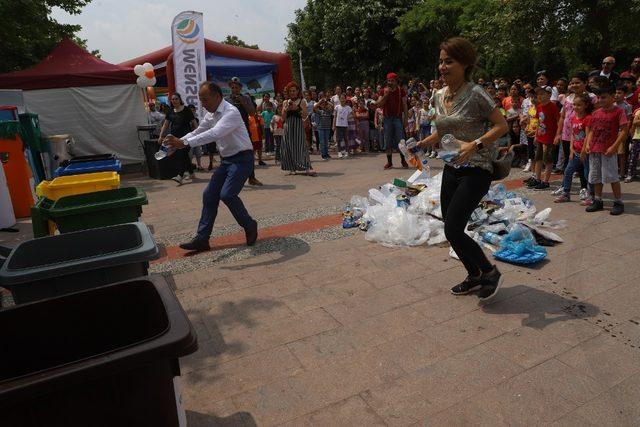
column 590, row 129
column 346, row 121
column 588, row 125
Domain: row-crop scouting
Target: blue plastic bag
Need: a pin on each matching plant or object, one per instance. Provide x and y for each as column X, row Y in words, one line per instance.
column 519, row 247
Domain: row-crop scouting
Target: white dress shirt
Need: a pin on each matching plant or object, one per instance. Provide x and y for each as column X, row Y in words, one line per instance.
column 224, row 126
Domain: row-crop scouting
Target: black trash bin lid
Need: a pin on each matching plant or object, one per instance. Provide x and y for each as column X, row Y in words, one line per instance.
column 63, row 254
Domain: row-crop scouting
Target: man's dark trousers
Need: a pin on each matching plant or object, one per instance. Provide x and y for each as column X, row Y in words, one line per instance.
column 225, row 185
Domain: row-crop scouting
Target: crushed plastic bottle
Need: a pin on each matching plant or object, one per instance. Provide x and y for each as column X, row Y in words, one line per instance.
column 164, row 151
column 414, row 155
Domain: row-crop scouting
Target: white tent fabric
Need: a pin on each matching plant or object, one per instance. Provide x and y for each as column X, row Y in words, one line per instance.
column 101, row 119
column 7, row 218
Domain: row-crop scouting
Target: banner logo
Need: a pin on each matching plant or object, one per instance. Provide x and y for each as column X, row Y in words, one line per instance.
column 188, row 30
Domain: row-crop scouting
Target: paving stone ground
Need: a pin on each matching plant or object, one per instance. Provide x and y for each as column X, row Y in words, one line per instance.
column 317, row 326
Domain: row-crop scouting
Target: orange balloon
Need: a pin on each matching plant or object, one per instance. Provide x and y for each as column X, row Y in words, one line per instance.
column 149, row 74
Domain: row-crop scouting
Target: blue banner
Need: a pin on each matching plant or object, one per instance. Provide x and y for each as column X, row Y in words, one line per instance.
column 253, row 85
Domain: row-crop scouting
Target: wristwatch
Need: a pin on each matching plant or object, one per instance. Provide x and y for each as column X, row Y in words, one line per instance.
column 479, row 144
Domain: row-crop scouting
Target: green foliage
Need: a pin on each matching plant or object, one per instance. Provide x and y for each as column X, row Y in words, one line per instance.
column 348, row 40
column 235, row 41
column 27, row 31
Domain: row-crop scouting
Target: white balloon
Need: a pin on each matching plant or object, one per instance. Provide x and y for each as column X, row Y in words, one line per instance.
column 139, row 70
column 147, row 66
column 143, row 82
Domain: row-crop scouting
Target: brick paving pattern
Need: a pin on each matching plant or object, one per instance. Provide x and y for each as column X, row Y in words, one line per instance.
column 317, row 326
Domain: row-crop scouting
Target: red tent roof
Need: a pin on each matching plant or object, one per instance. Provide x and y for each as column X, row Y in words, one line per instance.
column 68, row 65
column 282, row 76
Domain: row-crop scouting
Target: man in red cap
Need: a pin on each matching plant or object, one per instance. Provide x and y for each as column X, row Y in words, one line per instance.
column 393, row 101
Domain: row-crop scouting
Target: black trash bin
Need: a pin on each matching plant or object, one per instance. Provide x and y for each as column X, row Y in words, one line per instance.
column 56, row 265
column 166, row 168
column 107, row 356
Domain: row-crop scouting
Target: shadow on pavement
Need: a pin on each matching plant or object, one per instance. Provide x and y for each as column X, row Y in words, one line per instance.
column 239, row 419
column 210, row 322
column 541, row 307
column 289, row 248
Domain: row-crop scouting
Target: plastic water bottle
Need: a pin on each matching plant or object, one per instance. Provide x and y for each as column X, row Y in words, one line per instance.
column 490, row 237
column 425, row 167
column 449, row 143
column 163, row 152
column 416, row 155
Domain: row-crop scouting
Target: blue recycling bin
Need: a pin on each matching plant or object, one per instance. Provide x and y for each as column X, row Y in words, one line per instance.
column 112, row 165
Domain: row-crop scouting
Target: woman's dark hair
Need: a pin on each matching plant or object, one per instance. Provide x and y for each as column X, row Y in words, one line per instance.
column 587, row 101
column 463, row 52
column 513, row 135
column 580, row 75
column 179, row 97
column 544, row 73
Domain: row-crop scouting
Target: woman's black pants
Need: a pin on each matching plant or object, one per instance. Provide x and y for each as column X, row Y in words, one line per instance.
column 461, row 192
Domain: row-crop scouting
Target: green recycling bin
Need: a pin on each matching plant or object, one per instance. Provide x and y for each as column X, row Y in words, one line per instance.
column 87, row 211
column 31, row 133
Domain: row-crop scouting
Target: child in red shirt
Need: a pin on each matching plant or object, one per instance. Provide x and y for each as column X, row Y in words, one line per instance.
column 582, row 107
column 548, row 115
column 606, row 130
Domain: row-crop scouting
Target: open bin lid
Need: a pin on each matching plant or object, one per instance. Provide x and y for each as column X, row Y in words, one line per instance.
column 79, row 251
column 147, row 324
column 91, row 202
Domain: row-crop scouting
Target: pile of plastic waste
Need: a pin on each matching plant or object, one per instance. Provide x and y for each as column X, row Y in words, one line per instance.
column 408, row 213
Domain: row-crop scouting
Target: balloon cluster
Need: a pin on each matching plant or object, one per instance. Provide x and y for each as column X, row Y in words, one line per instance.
column 146, row 75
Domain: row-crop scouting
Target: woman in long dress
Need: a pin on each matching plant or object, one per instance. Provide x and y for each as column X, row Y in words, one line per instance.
column 294, row 150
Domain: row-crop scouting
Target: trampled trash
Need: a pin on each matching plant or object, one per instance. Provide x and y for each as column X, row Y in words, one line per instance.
column 408, row 213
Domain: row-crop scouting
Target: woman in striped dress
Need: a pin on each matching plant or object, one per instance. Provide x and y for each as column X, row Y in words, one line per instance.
column 295, row 151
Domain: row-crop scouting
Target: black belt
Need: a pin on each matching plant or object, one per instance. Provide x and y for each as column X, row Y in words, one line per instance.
column 239, row 152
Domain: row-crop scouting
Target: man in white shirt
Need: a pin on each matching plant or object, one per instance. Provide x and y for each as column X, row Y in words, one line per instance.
column 223, row 124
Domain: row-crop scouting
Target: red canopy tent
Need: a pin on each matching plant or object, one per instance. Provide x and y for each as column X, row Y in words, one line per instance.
column 75, row 93
column 68, row 65
column 281, row 76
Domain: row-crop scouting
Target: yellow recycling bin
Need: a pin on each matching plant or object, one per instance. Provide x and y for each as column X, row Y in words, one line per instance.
column 78, row 184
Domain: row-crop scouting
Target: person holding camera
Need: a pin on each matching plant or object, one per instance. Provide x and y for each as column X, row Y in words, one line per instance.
column 246, row 107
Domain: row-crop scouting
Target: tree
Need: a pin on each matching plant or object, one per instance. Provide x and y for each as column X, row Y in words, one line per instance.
column 344, row 41
column 235, row 41
column 27, row 31
column 519, row 38
column 347, row 41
